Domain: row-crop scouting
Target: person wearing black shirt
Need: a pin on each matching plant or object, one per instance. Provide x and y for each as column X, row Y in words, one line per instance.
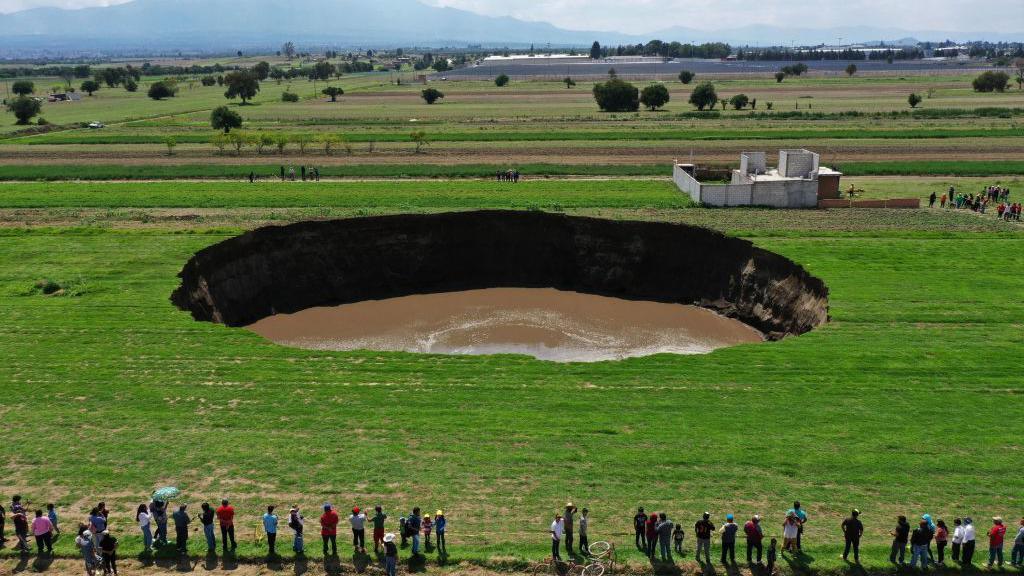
column 702, row 531
column 639, row 521
column 853, row 529
column 108, row 550
column 900, row 535
column 206, row 519
column 919, row 542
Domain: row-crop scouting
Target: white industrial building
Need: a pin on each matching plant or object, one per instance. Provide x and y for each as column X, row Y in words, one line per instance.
column 798, row 182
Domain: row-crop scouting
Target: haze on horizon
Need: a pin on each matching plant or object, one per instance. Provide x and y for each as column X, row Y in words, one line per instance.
column 648, row 16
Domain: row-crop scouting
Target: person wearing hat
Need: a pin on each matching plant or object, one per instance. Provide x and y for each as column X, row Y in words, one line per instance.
column 755, row 534
column 557, row 528
column 390, row 554
column 569, row 520
column 329, row 529
column 702, row 531
column 108, row 552
column 639, row 520
column 358, row 522
column 440, row 526
column 181, row 521
column 970, row 534
column 853, row 529
column 428, row 526
column 996, row 536
column 728, row 531
column 1017, row 554
column 298, row 524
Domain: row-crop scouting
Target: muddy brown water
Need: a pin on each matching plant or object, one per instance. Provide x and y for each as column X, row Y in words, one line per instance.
column 544, row 323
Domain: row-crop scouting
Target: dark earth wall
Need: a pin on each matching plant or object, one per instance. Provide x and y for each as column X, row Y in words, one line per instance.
column 284, row 269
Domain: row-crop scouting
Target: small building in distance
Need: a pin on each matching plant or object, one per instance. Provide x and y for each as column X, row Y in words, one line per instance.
column 799, row 182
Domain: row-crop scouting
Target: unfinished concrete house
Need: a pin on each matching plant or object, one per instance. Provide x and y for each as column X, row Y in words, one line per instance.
column 798, row 182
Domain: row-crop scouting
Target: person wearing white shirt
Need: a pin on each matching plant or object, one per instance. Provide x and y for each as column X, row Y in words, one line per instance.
column 958, row 538
column 143, row 517
column 557, row 529
column 969, row 535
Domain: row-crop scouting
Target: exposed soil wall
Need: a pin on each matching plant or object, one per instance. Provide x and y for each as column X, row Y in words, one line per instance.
column 284, row 269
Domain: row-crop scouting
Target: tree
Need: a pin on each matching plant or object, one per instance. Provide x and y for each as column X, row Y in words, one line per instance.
column 616, row 95
column 780, row 76
column 224, row 118
column 704, row 96
column 220, row 141
column 333, row 92
column 323, row 70
column 739, row 101
column 208, row 80
column 303, row 141
column 170, row 142
column 654, row 96
column 287, row 96
column 914, row 100
column 24, row 108
column 241, row 84
column 263, row 140
column 431, row 95
column 441, row 65
column 160, row 90
column 1018, row 64
column 281, row 141
column 851, row 69
column 724, row 102
column 289, row 50
column 686, row 76
column 795, row 69
column 90, row 86
column 420, row 138
column 237, row 141
column 501, row 81
column 569, row 82
column 262, row 70
column 330, row 142
column 612, row 73
column 23, row 87
column 595, row 51
column 991, row 81
column 131, row 85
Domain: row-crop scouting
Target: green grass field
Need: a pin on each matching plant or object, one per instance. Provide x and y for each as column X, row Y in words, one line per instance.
column 906, row 402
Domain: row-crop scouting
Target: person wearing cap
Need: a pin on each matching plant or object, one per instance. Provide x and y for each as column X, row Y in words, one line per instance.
column 414, row 524
column 270, row 527
column 970, row 534
column 329, row 529
column 853, row 529
column 996, row 536
column 557, row 528
column 379, row 517
column 801, row 519
column 298, row 524
column 358, row 522
column 728, row 531
column 584, row 525
column 181, row 521
column 226, row 517
column 755, row 534
column 206, row 519
column 108, row 552
column 85, row 544
column 569, row 520
column 664, row 528
column 441, row 526
column 702, row 531
column 900, row 535
column 390, row 554
column 919, row 541
column 1017, row 554
column 428, row 526
column 639, row 520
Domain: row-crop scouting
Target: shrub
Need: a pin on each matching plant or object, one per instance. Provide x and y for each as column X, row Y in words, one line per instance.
column 654, row 96
column 569, row 82
column 131, row 85
column 913, row 100
column 420, row 138
column 208, row 80
column 23, row 87
column 287, row 96
column 991, row 81
column 170, row 142
column 780, row 76
column 224, row 118
column 161, row 90
column 851, row 69
column 686, row 76
column 739, row 101
column 704, row 96
column 24, row 108
column 57, row 288
column 501, row 81
column 431, row 95
column 617, row 95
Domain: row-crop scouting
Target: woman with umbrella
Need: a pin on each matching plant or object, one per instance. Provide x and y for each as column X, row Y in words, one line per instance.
column 158, row 509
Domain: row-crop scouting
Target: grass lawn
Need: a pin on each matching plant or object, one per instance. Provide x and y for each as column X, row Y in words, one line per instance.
column 888, row 408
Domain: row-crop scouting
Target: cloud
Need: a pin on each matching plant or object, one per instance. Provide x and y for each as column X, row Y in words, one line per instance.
column 16, row 5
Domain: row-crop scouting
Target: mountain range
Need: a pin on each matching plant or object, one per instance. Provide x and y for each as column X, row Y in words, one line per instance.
column 220, row 25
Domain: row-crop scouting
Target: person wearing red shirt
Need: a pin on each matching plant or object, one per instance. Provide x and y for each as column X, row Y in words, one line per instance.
column 995, row 541
column 226, row 516
column 329, row 529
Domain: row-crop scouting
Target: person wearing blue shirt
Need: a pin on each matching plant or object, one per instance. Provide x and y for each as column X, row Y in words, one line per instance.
column 51, row 513
column 440, row 523
column 270, row 527
column 801, row 518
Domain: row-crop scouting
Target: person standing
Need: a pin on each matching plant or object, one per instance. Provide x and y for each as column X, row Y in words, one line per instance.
column 651, row 533
column 639, row 522
column 557, row 527
column 441, row 527
column 51, row 513
column 428, row 527
column 665, row 537
column 996, row 536
column 282, row 173
column 21, row 528
column 181, row 522
column 97, row 524
column 270, row 527
column 42, row 529
column 967, row 554
column 414, row 524
column 584, row 526
column 1017, row 554
column 329, row 529
column 919, row 545
column 900, row 534
column 729, row 530
column 853, row 529
column 771, row 556
column 569, row 519
column 801, row 519
column 206, row 519
column 226, row 517
column 303, row 168
column 941, row 539
column 3, row 521
column 677, row 537
column 958, row 538
column 790, row 532
column 390, row 554
column 85, row 544
column 755, row 534
column 108, row 552
column 158, row 510
column 931, row 200
column 702, row 531
column 298, row 524
column 379, row 518
column 143, row 518
column 358, row 522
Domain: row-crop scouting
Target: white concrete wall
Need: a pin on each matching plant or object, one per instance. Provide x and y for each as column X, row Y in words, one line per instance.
column 726, row 194
column 686, row 183
column 797, row 163
column 753, row 163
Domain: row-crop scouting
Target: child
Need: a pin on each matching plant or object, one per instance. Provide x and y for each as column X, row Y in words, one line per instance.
column 677, row 536
column 51, row 513
column 771, row 556
column 403, row 530
column 428, row 525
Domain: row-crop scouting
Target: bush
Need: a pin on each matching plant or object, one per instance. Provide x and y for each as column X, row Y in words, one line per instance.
column 287, row 96
column 24, row 108
column 224, row 118
column 431, row 95
column 739, row 101
column 780, row 76
column 131, row 85
column 23, row 87
column 501, row 81
column 56, row 288
column 704, row 96
column 617, row 95
column 851, row 69
column 161, row 90
column 686, row 76
column 569, row 82
column 991, row 81
column 913, row 100
column 208, row 80
column 654, row 96
column 794, row 69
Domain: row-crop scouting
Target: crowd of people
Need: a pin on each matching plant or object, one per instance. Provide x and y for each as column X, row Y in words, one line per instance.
column 998, row 196
column 507, row 175
column 305, row 173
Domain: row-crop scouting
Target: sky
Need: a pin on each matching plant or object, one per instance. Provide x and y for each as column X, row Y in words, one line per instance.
column 642, row 16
